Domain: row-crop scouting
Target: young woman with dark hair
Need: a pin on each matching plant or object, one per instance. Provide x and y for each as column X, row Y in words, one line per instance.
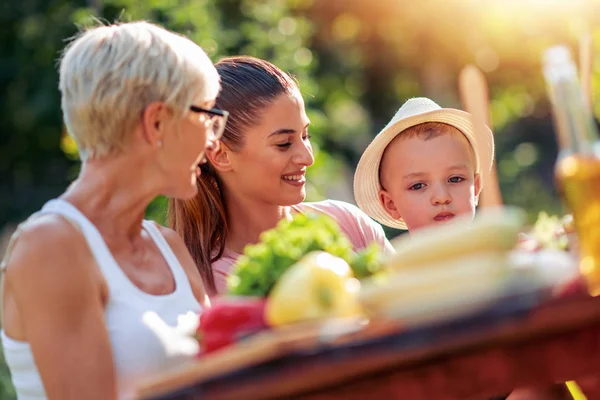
column 256, row 177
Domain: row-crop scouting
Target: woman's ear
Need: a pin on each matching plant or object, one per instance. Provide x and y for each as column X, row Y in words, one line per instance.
column 155, row 118
column 220, row 157
column 388, row 204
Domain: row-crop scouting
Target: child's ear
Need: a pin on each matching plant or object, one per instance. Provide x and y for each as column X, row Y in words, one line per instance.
column 388, row 204
column 477, row 187
column 220, row 158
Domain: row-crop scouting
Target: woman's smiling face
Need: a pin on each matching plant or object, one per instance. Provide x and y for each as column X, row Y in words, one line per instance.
column 271, row 165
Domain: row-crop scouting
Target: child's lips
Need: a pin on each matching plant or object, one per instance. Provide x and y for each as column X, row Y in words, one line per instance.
column 444, row 216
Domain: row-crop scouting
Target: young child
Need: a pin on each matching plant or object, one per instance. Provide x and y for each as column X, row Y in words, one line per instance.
column 425, row 167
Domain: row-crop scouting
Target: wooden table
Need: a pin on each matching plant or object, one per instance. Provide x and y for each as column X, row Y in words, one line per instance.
column 478, row 358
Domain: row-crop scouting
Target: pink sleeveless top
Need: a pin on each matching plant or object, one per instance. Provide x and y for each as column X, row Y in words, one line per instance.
column 360, row 229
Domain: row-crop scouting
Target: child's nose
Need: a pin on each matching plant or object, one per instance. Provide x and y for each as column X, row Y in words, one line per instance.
column 441, row 196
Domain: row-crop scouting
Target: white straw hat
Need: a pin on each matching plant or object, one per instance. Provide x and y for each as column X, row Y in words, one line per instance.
column 414, row 112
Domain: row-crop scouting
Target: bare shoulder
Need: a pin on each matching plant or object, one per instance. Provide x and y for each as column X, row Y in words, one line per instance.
column 169, row 234
column 46, row 244
column 53, row 299
column 187, row 263
column 48, row 265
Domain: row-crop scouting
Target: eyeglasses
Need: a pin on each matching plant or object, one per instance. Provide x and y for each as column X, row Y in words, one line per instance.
column 218, row 119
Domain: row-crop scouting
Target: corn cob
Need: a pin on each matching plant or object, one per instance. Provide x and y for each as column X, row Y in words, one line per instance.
column 491, row 231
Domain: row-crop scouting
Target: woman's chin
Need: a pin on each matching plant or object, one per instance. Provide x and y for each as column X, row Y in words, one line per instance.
column 184, row 191
column 294, row 199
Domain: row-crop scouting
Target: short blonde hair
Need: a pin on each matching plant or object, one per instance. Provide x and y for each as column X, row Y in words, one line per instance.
column 110, row 74
column 428, row 130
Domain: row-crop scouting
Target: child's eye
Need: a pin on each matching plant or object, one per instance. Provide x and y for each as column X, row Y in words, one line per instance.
column 417, row 186
column 307, row 137
column 456, row 179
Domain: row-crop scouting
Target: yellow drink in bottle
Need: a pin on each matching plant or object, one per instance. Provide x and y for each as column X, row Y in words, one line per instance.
column 578, row 181
column 577, row 169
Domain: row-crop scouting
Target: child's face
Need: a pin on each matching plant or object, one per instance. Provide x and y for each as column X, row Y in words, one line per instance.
column 430, row 181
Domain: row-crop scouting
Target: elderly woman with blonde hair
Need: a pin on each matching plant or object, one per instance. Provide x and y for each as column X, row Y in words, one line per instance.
column 81, row 274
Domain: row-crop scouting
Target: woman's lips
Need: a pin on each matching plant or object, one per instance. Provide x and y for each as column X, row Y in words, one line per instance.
column 294, row 179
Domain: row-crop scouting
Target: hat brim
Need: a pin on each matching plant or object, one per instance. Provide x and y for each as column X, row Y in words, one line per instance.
column 366, row 177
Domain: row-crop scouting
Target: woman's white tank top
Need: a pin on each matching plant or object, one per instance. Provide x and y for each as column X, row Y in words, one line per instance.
column 137, row 351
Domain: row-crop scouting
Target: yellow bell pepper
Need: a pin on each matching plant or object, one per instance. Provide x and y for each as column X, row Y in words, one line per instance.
column 318, row 286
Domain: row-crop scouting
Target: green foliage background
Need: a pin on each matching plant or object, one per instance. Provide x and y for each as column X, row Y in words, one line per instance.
column 356, row 61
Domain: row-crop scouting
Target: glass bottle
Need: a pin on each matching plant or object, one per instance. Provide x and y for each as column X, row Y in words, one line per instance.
column 577, row 168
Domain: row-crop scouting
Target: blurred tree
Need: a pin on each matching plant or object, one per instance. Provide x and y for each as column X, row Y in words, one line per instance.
column 356, row 63
column 408, row 49
column 32, row 167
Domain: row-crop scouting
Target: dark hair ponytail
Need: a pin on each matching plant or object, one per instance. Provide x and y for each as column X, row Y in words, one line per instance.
column 248, row 86
column 202, row 223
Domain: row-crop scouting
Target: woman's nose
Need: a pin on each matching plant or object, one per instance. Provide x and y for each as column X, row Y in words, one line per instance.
column 305, row 155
